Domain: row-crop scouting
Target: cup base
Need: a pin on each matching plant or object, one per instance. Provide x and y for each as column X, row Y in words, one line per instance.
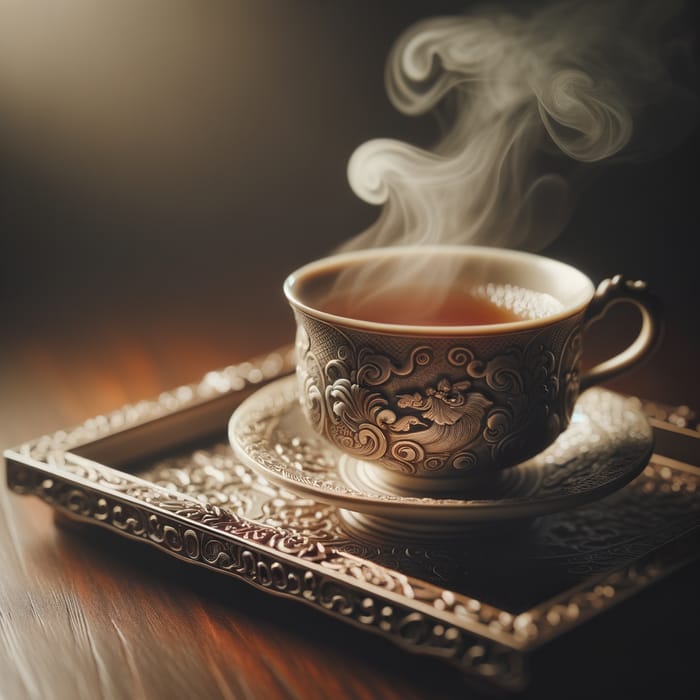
column 391, row 483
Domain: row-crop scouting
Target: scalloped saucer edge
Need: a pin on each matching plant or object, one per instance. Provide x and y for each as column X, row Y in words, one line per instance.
column 607, row 444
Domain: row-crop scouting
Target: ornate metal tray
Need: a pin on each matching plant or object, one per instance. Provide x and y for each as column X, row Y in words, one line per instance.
column 162, row 472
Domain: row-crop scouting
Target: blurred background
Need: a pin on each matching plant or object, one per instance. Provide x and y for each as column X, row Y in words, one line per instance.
column 164, row 164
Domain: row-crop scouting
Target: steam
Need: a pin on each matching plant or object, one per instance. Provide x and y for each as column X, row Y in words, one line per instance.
column 531, row 100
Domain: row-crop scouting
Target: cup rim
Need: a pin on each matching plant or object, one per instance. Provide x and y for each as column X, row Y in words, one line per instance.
column 338, row 260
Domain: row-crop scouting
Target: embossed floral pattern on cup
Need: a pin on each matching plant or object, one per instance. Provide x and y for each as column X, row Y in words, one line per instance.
column 439, row 406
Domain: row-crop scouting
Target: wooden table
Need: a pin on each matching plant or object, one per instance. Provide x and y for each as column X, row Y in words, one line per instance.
column 84, row 614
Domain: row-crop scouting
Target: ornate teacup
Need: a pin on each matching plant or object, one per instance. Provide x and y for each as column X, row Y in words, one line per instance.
column 432, row 406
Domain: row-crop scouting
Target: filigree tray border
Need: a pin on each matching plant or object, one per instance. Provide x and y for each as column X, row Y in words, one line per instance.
column 419, row 616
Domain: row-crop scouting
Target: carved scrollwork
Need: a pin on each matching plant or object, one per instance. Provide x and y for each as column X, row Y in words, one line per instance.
column 437, row 406
column 375, row 369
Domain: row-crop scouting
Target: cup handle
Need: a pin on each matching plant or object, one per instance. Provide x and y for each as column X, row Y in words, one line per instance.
column 617, row 290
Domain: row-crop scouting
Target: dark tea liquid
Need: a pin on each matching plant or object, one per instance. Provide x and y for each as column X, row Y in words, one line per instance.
column 423, row 308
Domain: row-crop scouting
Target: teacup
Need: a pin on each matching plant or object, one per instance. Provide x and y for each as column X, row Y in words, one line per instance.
column 483, row 380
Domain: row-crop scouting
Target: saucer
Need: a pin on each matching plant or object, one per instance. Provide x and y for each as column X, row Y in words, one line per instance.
column 607, row 444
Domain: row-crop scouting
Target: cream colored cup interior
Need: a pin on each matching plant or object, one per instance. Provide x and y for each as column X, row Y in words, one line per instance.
column 308, row 287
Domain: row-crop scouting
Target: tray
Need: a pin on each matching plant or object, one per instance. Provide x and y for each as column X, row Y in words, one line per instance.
column 162, row 471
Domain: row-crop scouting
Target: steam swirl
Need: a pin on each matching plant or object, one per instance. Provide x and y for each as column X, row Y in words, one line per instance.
column 534, row 98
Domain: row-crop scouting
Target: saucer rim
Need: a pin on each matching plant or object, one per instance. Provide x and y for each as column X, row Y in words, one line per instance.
column 466, row 510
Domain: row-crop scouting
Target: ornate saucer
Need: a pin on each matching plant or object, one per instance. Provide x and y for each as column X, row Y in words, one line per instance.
column 608, row 442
